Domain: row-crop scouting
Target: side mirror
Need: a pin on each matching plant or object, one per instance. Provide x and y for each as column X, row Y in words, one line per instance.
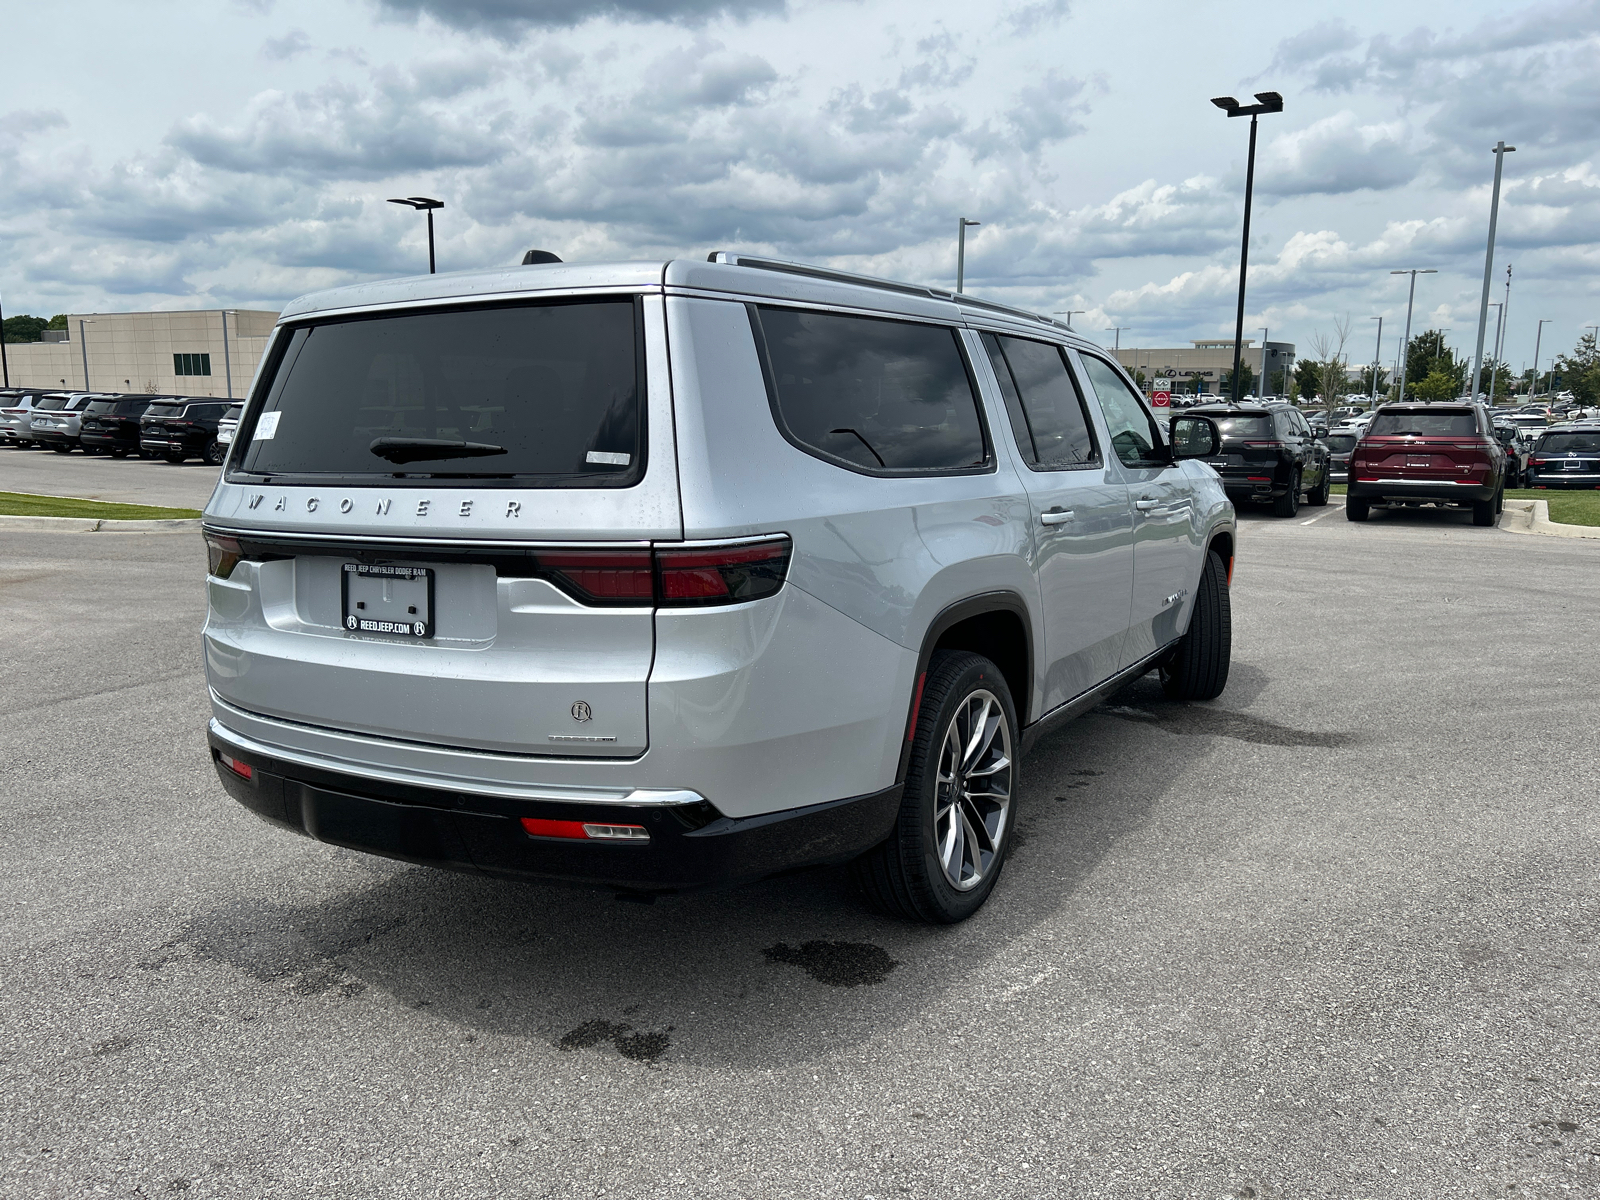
column 1194, row 437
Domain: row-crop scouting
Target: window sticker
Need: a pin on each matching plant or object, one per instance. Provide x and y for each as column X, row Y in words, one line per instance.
column 267, row 426
column 607, row 458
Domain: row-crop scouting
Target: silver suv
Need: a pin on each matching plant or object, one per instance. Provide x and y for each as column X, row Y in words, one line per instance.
column 657, row 575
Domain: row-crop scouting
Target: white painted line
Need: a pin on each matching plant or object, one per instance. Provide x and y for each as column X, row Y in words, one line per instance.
column 1329, row 511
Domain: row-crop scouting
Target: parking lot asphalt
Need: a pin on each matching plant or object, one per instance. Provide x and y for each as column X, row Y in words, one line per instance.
column 1332, row 935
column 101, row 477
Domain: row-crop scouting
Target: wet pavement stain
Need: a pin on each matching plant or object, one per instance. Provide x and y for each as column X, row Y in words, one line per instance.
column 640, row 1046
column 837, row 964
column 1196, row 721
column 112, row 1045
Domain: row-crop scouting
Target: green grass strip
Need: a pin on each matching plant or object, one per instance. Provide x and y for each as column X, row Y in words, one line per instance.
column 1566, row 508
column 25, row 504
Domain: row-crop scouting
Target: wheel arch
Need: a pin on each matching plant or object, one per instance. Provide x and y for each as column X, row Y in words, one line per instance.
column 996, row 625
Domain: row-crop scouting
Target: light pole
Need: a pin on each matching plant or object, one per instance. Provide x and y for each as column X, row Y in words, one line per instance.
column 423, row 204
column 1405, row 342
column 1069, row 313
column 227, row 362
column 1537, row 337
column 1270, row 102
column 961, row 253
column 1499, row 313
column 1500, row 152
column 5, row 367
column 1261, row 384
column 83, row 347
column 1377, row 355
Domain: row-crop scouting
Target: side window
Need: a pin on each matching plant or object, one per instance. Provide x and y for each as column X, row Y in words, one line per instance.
column 874, row 395
column 1047, row 412
column 1134, row 436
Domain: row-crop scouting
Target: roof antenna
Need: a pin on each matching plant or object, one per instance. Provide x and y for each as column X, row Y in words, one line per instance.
column 534, row 258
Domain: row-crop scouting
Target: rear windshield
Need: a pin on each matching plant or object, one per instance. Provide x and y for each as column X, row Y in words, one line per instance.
column 1340, row 442
column 233, row 412
column 52, row 403
column 163, row 410
column 1425, row 424
column 1235, row 427
column 1560, row 443
column 537, row 395
column 123, row 408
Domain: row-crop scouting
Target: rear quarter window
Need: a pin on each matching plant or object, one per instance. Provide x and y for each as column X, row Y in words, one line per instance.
column 879, row 396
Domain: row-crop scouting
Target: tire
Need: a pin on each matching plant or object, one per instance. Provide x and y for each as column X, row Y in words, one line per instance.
column 214, row 453
column 1485, row 512
column 1500, row 501
column 1357, row 508
column 119, row 454
column 1319, row 497
column 175, row 459
column 1288, row 504
column 926, row 870
column 1198, row 668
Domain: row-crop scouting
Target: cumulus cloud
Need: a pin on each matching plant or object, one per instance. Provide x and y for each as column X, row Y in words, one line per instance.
column 509, row 20
column 1335, row 155
column 290, row 45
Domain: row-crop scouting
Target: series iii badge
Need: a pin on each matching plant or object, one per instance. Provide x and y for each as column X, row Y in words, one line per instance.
column 580, row 711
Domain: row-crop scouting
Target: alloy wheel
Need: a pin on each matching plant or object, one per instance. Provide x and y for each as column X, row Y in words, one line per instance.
column 974, row 789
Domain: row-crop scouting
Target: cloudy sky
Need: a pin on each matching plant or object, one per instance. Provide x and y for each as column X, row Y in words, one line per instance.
column 239, row 152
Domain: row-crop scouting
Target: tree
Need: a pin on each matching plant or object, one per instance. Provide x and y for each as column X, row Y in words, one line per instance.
column 1427, row 353
column 1579, row 372
column 1139, row 378
column 1330, row 361
column 1366, row 380
column 1246, row 376
column 24, row 328
column 1438, row 385
column 59, row 321
column 1308, row 378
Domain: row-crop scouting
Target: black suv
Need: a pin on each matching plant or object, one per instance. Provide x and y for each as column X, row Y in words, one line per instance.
column 113, row 424
column 183, row 427
column 1269, row 453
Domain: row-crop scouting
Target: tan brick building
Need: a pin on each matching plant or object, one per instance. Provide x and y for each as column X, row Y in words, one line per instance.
column 1209, row 359
column 162, row 353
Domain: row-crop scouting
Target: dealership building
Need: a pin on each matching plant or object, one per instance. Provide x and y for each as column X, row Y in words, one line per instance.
column 1207, row 360
column 212, row 352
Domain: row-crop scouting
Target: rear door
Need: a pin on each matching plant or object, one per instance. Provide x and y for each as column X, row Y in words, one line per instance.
column 1082, row 524
column 1167, row 540
column 499, row 470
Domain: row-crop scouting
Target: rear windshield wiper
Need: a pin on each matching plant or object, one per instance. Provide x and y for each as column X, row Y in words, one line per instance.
column 404, row 450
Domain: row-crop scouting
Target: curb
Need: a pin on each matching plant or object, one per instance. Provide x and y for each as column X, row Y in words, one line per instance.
column 1533, row 516
column 92, row 525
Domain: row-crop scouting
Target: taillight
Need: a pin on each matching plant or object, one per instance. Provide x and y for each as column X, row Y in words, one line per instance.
column 585, row 830
column 602, row 576
column 723, row 574
column 676, row 578
column 222, row 554
column 1265, row 445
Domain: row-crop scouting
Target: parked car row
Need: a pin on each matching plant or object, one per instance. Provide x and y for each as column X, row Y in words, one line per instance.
column 1568, row 456
column 175, row 428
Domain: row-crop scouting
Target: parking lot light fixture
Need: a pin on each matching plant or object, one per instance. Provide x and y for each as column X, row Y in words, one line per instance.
column 1537, row 338
column 1069, row 313
column 1267, row 102
column 423, row 204
column 1500, row 152
column 1405, row 342
column 227, row 362
column 5, row 368
column 961, row 253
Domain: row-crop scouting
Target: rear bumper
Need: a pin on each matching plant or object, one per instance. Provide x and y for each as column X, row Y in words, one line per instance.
column 54, row 437
column 1444, row 491
column 1561, row 480
column 691, row 845
column 108, row 441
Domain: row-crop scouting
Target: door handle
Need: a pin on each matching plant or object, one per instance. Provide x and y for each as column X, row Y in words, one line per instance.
column 1146, row 505
column 1156, row 507
column 1055, row 516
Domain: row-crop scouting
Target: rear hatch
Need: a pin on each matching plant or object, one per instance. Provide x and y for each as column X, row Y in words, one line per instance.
column 444, row 518
column 163, row 422
column 1431, row 444
column 1339, row 447
column 1571, row 455
column 1250, row 447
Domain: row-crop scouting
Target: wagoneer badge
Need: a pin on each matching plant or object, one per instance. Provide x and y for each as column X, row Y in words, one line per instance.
column 580, row 711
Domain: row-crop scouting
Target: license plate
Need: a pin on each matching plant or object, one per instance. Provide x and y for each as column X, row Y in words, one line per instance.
column 1572, row 464
column 1425, row 460
column 397, row 601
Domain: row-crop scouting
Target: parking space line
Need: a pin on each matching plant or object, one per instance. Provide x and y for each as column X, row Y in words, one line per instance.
column 1320, row 515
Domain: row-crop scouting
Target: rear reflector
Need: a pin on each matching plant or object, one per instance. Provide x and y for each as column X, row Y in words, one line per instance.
column 585, row 830
column 242, row 770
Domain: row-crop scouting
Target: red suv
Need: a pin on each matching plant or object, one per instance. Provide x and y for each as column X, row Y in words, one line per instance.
column 1416, row 453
